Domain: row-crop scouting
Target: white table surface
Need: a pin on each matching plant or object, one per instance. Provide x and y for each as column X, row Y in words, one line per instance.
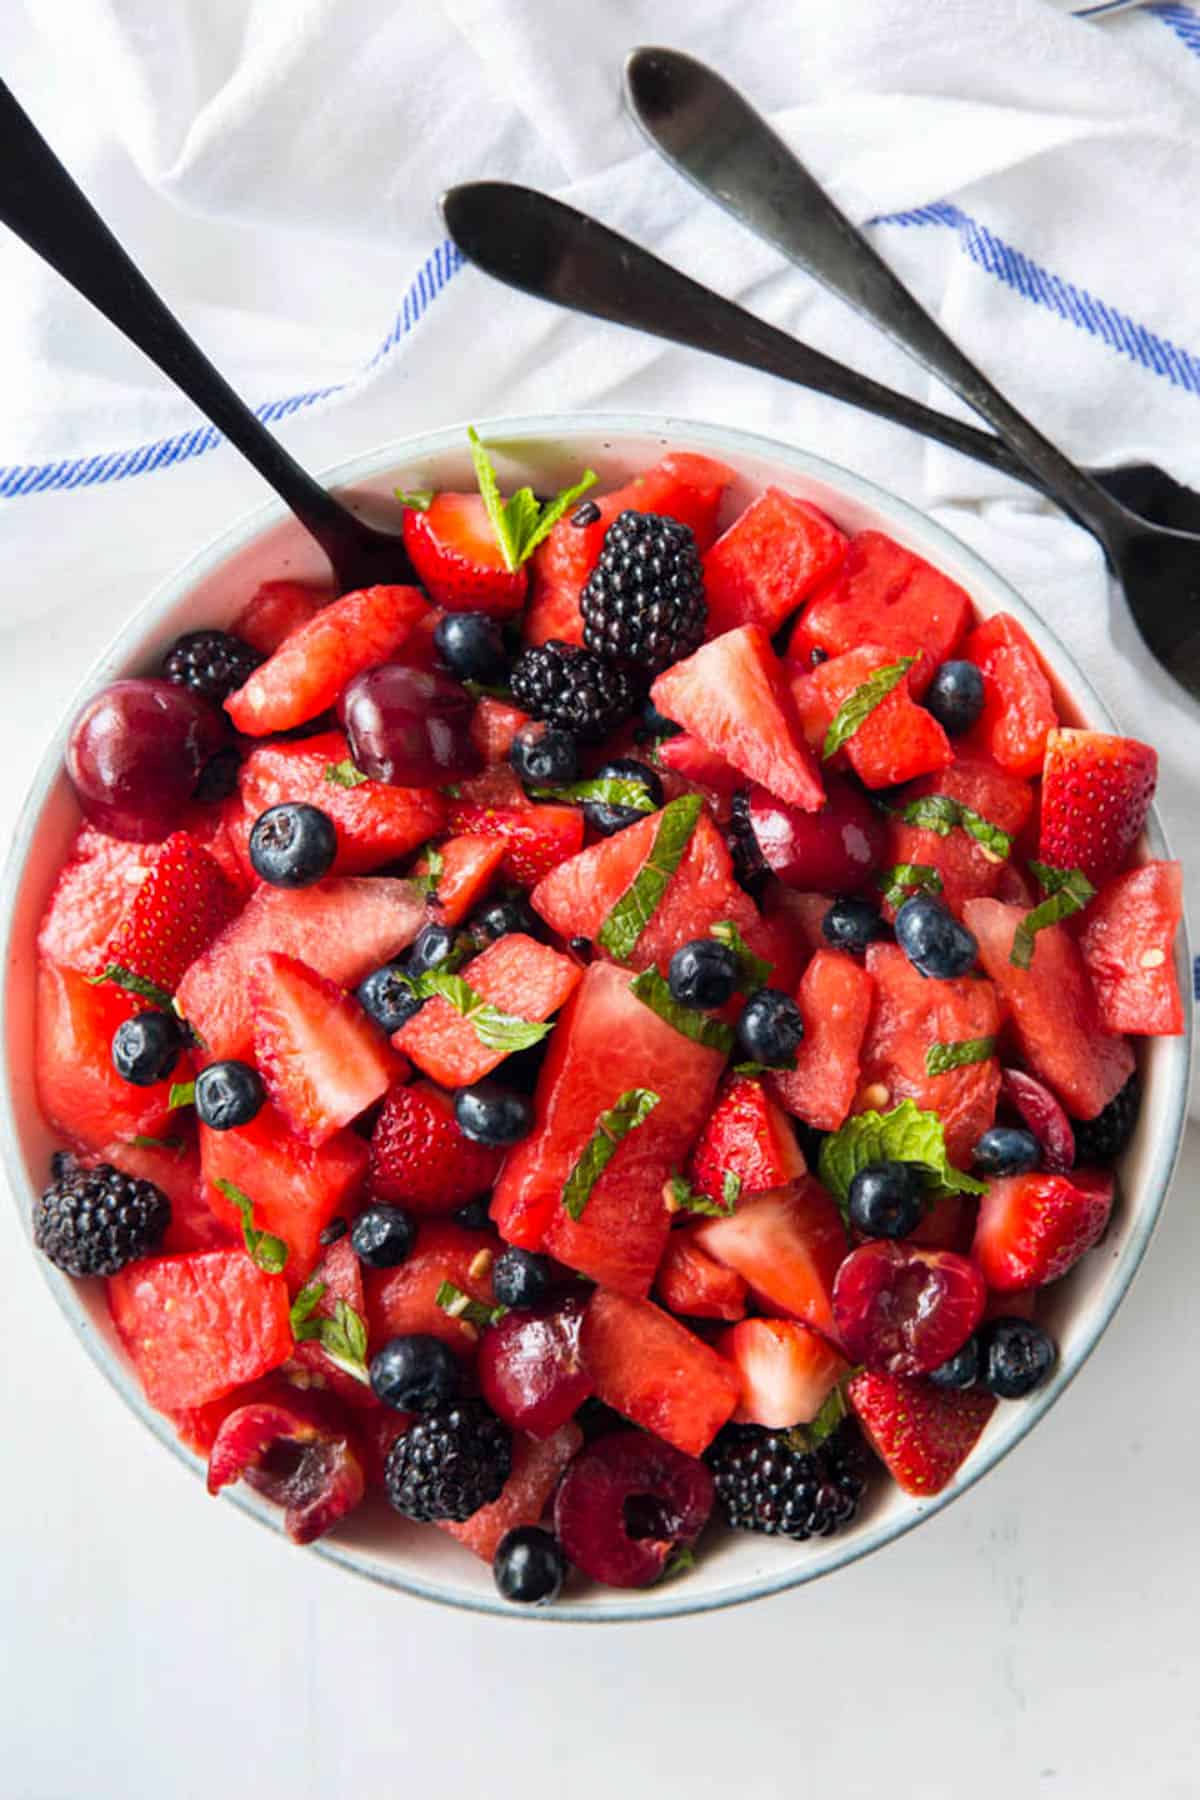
column 1039, row 1638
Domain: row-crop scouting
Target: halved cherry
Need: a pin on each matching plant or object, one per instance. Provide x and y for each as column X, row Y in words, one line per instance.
column 531, row 1369
column 300, row 1452
column 834, row 851
column 904, row 1309
column 1044, row 1116
column 626, row 1503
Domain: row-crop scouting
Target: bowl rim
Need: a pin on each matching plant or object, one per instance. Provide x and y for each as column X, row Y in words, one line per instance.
column 539, row 430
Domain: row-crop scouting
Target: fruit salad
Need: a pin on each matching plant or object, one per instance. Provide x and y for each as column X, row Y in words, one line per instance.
column 604, row 1042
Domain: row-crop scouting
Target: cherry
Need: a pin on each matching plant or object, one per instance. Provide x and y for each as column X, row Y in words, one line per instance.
column 904, row 1309
column 408, row 726
column 1044, row 1116
column 298, row 1450
column 834, row 851
column 626, row 1504
column 136, row 753
column 531, row 1369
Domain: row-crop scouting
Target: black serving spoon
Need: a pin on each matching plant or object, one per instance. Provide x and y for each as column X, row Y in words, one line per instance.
column 41, row 203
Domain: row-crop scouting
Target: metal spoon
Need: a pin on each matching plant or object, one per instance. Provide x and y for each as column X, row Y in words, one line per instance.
column 41, row 203
column 712, row 135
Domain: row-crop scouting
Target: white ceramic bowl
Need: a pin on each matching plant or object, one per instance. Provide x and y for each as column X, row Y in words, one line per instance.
column 548, row 452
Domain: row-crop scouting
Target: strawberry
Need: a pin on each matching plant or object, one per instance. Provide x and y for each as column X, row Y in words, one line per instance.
column 340, row 1273
column 181, row 906
column 786, row 1371
column 323, row 1061
column 924, row 1434
column 1096, row 792
column 275, row 610
column 419, row 1156
column 699, row 766
column 747, row 1136
column 691, row 1282
column 787, row 1246
column 455, row 551
column 1033, row 1228
column 535, row 838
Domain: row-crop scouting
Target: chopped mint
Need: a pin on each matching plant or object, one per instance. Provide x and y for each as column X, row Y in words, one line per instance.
column 906, row 1134
column 650, row 988
column 632, row 1109
column 896, row 881
column 155, row 1143
column 479, row 690
column 938, row 812
column 1067, row 891
column 436, row 864
column 520, row 523
column 125, row 978
column 181, row 1093
column 265, row 1249
column 752, row 1070
column 458, row 1305
column 857, row 707
column 941, row 1058
column 680, row 1562
column 495, row 1030
column 344, row 774
column 609, row 791
column 343, row 1337
column 684, row 1197
column 637, row 905
column 304, row 1306
column 420, row 500
column 804, row 1438
column 753, row 971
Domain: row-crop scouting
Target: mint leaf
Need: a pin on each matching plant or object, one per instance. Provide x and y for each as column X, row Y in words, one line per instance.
column 632, row 1109
column 609, row 792
column 342, row 1335
column 634, row 910
column 990, row 836
column 155, row 1143
column 344, row 774
column 303, row 1307
column 1067, row 891
column 938, row 812
column 265, row 1249
column 520, row 523
column 181, row 1093
column 495, row 1030
column 684, row 1197
column 125, row 978
column 804, row 1438
column 896, row 881
column 433, row 874
column 753, row 971
column 941, row 1058
column 906, row 1134
column 420, row 500
column 681, row 1560
column 458, row 1305
column 650, row 988
column 857, row 707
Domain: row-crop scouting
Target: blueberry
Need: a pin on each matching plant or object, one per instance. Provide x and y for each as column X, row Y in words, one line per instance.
column 228, row 1094
column 433, row 945
column 960, row 1370
column 955, row 697
column 608, row 819
column 933, row 940
column 1017, row 1356
column 703, row 974
column 521, row 1277
column 382, row 1236
column 852, row 924
column 293, row 845
column 770, row 1028
column 652, row 724
column 146, row 1048
column 474, row 1216
column 415, row 1374
column 1006, row 1150
column 472, row 648
column 497, row 918
column 491, row 1114
column 529, row 1568
column 387, row 998
column 544, row 756
column 885, row 1199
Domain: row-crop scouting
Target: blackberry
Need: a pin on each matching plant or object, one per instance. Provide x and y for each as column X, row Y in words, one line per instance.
column 768, row 1481
column 212, row 663
column 94, row 1221
column 572, row 687
column 643, row 602
column 749, row 864
column 1102, row 1138
column 450, row 1462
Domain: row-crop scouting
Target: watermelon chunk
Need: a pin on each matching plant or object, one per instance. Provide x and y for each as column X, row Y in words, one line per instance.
column 733, row 696
column 691, row 1282
column 787, row 1246
column 469, row 866
column 896, row 742
column 376, row 823
column 1052, row 1010
column 402, row 1301
column 1018, row 703
column 518, row 976
column 968, row 869
column 700, row 767
column 769, row 561
column 340, row 1272
column 494, row 726
column 195, row 1327
column 294, row 1188
column 537, row 1467
column 1128, row 944
column 79, row 1091
column 275, row 610
column 94, row 886
column 884, row 594
column 834, row 997
column 650, row 1368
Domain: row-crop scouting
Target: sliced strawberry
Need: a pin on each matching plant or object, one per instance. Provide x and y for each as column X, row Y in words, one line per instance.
column 1128, row 944
column 173, row 916
column 420, row 1158
column 771, row 559
column 691, row 1282
column 786, row 1371
column 968, row 868
column 311, row 667
column 403, row 1301
column 79, row 1092
column 469, row 865
column 1052, row 1010
column 747, row 1136
column 897, row 741
column 322, row 1059
column 835, row 999
column 93, row 890
column 905, row 1309
column 923, row 1434
column 275, row 610
column 787, row 1246
column 1096, row 793
column 1033, row 1228
column 1018, row 701
column 884, row 594
column 536, row 839
column 494, row 727
column 520, row 978
column 224, row 831
column 195, row 1327
column 457, row 555
column 376, row 823
column 733, row 696
column 536, row 1469
column 650, row 1368
column 294, row 1189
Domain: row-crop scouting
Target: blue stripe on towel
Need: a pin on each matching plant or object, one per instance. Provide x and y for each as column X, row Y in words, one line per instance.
column 1184, row 21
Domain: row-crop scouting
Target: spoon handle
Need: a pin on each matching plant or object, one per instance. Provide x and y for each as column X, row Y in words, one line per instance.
column 710, row 134
column 41, row 203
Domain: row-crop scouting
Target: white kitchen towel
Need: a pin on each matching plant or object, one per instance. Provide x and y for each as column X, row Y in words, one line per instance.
column 275, row 166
